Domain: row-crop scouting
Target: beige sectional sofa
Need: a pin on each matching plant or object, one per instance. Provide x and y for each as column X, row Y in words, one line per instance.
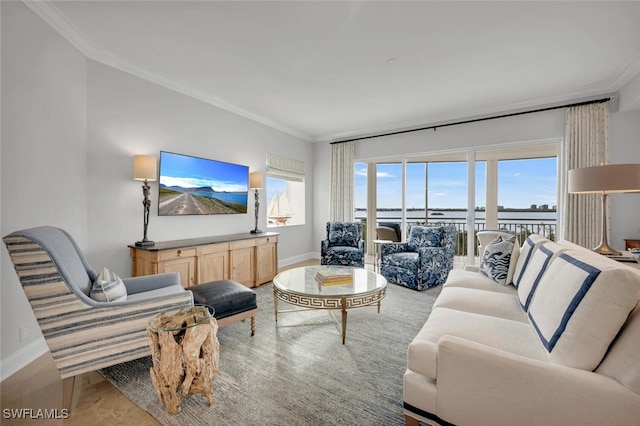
column 560, row 345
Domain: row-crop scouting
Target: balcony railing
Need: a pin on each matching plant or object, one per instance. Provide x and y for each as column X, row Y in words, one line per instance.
column 522, row 227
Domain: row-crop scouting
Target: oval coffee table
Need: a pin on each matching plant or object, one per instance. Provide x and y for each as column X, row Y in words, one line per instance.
column 300, row 287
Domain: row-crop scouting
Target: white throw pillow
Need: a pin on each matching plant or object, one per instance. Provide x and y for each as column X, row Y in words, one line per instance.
column 108, row 287
column 579, row 307
column 497, row 259
column 534, row 271
column 530, row 245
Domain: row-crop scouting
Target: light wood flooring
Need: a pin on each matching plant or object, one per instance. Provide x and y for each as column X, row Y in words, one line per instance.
column 38, row 386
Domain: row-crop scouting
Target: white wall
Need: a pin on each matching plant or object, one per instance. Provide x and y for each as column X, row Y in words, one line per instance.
column 71, row 128
column 127, row 116
column 625, row 148
column 44, row 156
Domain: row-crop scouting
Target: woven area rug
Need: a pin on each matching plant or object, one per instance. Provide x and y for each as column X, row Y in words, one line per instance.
column 298, row 372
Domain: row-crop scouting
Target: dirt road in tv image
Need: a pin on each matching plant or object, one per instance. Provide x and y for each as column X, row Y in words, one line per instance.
column 189, row 204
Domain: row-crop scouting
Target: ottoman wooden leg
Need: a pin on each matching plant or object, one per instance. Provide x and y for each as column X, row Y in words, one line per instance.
column 253, row 325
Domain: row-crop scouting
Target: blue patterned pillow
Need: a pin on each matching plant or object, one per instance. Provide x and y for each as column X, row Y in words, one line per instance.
column 344, row 234
column 424, row 236
column 496, row 259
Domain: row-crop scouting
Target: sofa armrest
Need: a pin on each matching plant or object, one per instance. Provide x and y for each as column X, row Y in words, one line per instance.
column 151, row 282
column 496, row 387
column 324, row 246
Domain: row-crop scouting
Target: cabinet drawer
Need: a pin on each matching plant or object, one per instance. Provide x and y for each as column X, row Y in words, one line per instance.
column 266, row 240
column 213, row 248
column 176, row 254
column 242, row 244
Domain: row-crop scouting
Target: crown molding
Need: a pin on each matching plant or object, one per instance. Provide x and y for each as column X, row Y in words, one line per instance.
column 52, row 16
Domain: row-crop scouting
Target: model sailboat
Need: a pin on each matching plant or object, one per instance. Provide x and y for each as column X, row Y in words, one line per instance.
column 279, row 208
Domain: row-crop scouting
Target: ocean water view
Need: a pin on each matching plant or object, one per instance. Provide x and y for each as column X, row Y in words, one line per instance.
column 511, row 216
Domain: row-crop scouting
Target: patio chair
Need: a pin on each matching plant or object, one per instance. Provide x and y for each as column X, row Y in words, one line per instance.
column 423, row 261
column 344, row 245
column 84, row 334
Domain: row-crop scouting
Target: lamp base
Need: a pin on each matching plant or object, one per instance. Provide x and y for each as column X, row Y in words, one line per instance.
column 605, row 250
column 256, row 231
column 145, row 243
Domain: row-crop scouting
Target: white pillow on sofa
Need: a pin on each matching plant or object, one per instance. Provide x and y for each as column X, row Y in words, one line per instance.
column 578, row 308
column 530, row 245
column 534, row 270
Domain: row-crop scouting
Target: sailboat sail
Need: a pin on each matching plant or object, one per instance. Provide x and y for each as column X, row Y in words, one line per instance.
column 279, row 208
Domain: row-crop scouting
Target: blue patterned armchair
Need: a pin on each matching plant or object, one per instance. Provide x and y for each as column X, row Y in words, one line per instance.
column 423, row 261
column 344, row 245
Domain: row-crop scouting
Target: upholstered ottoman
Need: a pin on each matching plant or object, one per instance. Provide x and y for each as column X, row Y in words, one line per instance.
column 231, row 301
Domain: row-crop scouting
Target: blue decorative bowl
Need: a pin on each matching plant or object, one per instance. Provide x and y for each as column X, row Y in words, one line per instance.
column 636, row 254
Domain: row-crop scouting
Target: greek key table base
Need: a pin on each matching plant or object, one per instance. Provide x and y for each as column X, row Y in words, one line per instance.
column 342, row 302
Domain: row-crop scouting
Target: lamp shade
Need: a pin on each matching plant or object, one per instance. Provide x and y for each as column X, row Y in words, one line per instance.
column 255, row 180
column 145, row 167
column 604, row 179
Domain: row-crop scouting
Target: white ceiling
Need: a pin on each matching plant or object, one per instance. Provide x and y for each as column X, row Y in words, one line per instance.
column 326, row 70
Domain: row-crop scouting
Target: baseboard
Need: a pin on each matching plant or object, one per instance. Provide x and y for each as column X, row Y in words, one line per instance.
column 21, row 358
column 300, row 258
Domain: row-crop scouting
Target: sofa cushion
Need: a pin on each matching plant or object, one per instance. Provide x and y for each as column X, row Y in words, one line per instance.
column 470, row 279
column 534, row 270
column 424, row 236
column 500, row 305
column 530, row 245
column 344, row 234
column 515, row 337
column 577, row 317
column 497, row 259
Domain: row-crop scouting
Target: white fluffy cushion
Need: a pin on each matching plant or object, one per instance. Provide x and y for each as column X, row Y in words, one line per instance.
column 497, row 259
column 579, row 307
column 529, row 246
column 108, row 287
column 534, row 270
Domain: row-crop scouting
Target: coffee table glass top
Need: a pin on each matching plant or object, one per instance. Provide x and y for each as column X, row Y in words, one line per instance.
column 303, row 281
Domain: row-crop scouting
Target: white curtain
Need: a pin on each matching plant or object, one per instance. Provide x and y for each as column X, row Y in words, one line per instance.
column 341, row 203
column 586, row 145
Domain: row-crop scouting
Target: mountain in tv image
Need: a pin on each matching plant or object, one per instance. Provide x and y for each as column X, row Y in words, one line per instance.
column 176, row 200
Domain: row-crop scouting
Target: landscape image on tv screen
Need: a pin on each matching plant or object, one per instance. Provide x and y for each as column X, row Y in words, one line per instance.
column 193, row 185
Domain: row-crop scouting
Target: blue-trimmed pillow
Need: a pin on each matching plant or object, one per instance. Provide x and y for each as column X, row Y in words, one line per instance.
column 108, row 287
column 424, row 236
column 344, row 234
column 531, row 244
column 580, row 305
column 534, row 271
column 497, row 258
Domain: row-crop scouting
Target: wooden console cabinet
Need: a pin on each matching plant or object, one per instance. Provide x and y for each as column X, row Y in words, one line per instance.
column 250, row 259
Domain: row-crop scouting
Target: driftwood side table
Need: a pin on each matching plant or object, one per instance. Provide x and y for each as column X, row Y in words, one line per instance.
column 184, row 347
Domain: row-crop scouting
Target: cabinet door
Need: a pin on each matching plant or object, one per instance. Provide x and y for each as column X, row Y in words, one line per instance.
column 242, row 265
column 185, row 266
column 213, row 267
column 267, row 261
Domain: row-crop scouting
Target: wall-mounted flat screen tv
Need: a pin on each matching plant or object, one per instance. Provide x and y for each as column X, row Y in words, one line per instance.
column 193, row 185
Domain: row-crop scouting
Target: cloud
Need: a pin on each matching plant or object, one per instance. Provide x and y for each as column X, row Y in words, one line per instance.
column 438, row 194
column 384, row 175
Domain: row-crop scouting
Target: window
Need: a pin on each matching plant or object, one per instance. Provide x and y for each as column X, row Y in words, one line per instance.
column 285, row 189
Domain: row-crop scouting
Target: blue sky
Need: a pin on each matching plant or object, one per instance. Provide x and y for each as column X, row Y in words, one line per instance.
column 195, row 172
column 521, row 183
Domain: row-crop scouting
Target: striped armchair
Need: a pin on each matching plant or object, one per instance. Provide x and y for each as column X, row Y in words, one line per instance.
column 83, row 334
